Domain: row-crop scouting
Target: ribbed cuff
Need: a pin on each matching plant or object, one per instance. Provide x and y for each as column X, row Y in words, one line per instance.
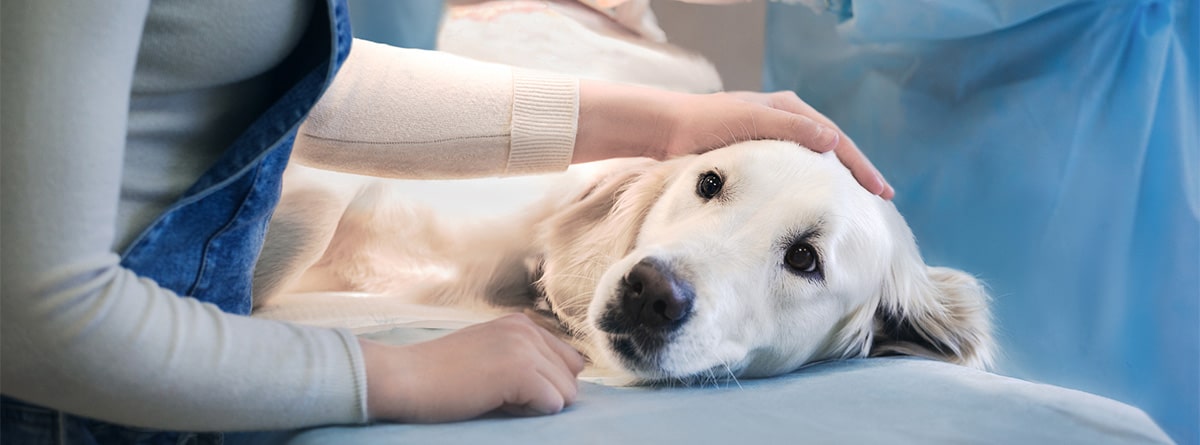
column 359, row 368
column 544, row 118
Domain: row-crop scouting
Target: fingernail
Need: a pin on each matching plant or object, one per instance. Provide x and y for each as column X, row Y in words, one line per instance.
column 827, row 137
column 884, row 187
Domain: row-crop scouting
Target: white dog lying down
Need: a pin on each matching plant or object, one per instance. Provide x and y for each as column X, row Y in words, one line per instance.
column 751, row 260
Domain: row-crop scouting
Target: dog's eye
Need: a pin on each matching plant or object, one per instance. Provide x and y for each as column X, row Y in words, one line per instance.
column 801, row 257
column 709, row 185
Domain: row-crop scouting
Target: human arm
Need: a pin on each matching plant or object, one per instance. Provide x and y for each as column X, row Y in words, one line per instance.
column 406, row 113
column 82, row 334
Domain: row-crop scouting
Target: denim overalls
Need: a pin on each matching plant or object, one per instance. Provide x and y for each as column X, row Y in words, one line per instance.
column 205, row 245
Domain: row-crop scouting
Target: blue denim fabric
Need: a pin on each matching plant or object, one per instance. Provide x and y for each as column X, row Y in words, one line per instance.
column 25, row 424
column 205, row 245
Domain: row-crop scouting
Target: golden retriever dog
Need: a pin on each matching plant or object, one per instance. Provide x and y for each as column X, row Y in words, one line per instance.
column 747, row 261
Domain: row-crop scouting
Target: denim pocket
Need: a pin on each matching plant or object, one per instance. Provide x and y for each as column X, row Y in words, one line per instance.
column 25, row 424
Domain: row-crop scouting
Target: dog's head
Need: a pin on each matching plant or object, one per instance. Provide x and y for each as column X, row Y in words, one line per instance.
column 752, row 260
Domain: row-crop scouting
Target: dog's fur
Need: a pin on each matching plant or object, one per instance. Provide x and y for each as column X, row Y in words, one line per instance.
column 627, row 259
column 645, row 273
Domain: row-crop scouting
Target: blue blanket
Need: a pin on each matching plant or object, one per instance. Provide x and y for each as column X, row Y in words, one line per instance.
column 880, row 400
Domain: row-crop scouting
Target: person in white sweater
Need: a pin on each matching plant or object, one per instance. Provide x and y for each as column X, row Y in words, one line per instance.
column 118, row 116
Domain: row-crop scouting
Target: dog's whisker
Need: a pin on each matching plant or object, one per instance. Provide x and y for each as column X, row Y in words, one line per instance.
column 732, row 135
column 579, row 276
column 720, row 140
column 750, row 135
column 732, row 376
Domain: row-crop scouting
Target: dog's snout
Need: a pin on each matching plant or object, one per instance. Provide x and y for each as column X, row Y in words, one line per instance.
column 654, row 297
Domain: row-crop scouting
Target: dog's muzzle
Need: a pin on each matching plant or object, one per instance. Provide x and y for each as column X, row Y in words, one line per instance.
column 651, row 303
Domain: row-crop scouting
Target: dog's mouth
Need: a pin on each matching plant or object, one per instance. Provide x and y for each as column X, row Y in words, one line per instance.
column 635, row 348
column 653, row 357
column 645, row 358
column 641, row 352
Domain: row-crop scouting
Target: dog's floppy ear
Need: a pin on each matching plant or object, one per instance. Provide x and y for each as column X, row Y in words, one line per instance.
column 934, row 312
column 593, row 229
column 609, row 209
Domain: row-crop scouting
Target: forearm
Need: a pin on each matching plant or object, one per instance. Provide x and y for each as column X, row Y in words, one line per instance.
column 419, row 114
column 405, row 113
column 106, row 344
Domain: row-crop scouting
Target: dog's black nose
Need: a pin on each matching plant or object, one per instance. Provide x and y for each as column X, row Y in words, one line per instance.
column 653, row 297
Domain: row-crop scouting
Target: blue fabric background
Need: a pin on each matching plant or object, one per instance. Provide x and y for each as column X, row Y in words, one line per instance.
column 1049, row 146
column 407, row 24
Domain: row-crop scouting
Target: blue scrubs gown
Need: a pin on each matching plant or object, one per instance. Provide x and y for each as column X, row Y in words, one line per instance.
column 1048, row 146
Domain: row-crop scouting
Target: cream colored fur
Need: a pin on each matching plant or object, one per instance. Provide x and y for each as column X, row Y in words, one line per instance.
column 568, row 255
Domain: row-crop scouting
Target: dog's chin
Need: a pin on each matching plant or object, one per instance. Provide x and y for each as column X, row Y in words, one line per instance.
column 637, row 355
column 651, row 360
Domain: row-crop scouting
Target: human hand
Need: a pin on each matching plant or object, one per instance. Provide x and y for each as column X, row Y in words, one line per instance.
column 845, row 149
column 508, row 363
column 625, row 121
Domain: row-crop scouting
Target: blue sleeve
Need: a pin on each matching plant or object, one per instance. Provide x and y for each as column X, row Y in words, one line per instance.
column 1050, row 147
column 906, row 20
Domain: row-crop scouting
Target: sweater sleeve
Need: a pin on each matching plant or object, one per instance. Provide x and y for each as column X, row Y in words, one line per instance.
column 406, row 113
column 80, row 333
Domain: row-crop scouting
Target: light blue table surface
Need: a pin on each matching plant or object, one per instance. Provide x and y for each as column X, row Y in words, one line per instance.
column 880, row 400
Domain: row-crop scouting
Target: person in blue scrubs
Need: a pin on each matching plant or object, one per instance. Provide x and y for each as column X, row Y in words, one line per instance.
column 1049, row 146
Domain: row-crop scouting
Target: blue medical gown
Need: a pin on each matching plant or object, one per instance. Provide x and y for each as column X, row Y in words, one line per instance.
column 1048, row 146
column 407, row 23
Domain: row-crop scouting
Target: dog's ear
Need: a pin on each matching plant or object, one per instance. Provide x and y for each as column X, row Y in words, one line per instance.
column 602, row 213
column 591, row 229
column 934, row 312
